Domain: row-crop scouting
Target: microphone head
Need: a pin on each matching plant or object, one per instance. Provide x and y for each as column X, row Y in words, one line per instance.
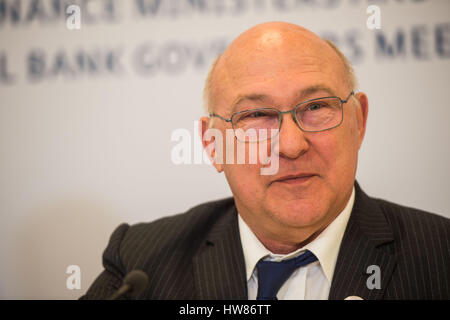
column 137, row 280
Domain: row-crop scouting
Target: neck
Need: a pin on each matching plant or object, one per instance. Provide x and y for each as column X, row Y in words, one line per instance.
column 278, row 246
column 279, row 238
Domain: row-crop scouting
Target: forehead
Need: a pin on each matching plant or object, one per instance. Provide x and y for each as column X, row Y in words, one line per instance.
column 278, row 71
column 246, row 100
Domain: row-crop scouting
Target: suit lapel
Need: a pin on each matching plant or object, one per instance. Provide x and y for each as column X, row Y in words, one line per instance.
column 219, row 267
column 367, row 241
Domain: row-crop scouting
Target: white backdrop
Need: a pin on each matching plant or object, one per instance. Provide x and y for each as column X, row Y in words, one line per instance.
column 86, row 116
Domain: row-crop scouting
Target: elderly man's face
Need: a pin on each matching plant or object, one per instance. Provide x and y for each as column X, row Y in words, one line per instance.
column 279, row 70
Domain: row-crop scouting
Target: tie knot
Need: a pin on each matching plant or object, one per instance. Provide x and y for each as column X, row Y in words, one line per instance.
column 272, row 275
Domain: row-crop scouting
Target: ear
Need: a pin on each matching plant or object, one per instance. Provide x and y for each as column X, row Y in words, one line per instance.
column 362, row 113
column 209, row 143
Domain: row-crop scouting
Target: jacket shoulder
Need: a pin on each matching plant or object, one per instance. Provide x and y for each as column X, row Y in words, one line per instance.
column 419, row 235
column 422, row 250
column 414, row 218
column 176, row 234
column 163, row 249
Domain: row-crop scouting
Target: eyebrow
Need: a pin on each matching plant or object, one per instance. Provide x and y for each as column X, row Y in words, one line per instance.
column 301, row 95
column 317, row 88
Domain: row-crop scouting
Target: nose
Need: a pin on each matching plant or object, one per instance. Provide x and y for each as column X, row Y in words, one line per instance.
column 292, row 140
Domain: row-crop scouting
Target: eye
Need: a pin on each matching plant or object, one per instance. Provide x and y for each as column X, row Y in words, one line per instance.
column 253, row 115
column 257, row 114
column 314, row 107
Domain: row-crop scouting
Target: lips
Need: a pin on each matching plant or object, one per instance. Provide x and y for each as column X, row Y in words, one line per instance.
column 295, row 178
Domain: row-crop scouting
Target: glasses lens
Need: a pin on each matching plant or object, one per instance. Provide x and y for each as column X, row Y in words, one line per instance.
column 319, row 114
column 256, row 125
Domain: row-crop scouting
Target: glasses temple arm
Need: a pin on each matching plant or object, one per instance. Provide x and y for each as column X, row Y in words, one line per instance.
column 351, row 93
column 220, row 117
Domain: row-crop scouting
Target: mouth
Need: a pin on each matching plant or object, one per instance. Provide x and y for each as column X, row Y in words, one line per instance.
column 297, row 179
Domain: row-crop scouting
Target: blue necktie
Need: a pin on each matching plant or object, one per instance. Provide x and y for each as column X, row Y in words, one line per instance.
column 272, row 275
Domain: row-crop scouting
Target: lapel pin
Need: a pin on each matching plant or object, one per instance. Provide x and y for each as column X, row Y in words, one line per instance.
column 353, row 298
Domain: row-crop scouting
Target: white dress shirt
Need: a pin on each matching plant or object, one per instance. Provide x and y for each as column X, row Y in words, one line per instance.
column 311, row 282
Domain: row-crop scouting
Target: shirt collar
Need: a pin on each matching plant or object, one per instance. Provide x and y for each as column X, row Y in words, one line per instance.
column 325, row 247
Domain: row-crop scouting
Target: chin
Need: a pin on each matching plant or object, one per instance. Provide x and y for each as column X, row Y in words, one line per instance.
column 298, row 213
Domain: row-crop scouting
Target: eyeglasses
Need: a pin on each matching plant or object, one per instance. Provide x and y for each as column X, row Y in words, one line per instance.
column 315, row 115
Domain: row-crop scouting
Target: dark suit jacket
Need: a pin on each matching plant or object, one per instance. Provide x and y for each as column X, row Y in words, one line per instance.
column 198, row 254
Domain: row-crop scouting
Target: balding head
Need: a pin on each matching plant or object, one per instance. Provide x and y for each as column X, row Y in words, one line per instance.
column 262, row 45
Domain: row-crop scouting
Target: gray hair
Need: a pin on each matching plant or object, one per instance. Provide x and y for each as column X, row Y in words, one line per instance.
column 352, row 81
column 207, row 89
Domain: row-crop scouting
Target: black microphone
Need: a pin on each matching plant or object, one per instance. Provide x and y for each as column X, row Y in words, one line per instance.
column 134, row 283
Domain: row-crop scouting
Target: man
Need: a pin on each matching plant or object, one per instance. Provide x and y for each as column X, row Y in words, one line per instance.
column 307, row 231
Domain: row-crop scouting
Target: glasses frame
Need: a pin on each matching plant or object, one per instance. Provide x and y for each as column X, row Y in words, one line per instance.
column 292, row 112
